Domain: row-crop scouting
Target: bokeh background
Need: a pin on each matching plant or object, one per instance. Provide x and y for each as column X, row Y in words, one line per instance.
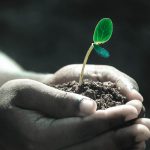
column 44, row 35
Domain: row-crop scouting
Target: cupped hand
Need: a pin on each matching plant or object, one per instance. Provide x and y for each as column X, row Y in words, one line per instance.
column 35, row 116
column 128, row 86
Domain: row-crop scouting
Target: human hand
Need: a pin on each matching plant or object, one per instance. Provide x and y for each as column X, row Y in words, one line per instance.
column 35, row 116
column 127, row 85
column 28, row 110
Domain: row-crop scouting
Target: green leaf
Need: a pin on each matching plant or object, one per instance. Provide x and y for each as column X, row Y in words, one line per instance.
column 103, row 31
column 101, row 51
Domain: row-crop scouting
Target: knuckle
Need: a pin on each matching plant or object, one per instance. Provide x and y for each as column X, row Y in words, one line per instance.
column 15, row 85
column 8, row 92
column 132, row 81
column 135, row 84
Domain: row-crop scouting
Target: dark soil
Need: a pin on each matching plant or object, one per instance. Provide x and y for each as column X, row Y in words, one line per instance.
column 105, row 94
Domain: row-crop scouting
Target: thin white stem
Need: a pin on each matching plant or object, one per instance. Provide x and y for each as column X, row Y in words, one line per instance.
column 84, row 63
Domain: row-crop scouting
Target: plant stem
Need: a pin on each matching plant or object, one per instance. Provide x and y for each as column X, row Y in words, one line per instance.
column 84, row 63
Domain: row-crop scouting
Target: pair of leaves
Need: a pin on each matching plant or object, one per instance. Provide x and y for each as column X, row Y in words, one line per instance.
column 102, row 34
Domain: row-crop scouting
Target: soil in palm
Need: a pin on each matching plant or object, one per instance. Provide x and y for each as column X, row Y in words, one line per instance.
column 106, row 94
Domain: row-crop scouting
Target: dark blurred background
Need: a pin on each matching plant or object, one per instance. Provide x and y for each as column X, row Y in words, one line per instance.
column 44, row 35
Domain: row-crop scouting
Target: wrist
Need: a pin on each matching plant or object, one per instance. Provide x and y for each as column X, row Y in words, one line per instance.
column 41, row 77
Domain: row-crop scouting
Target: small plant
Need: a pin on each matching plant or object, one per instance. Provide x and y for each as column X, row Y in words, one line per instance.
column 103, row 32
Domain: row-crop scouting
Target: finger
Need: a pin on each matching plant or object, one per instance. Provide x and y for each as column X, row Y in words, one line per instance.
column 74, row 130
column 143, row 121
column 137, row 104
column 113, row 140
column 142, row 113
column 69, row 72
column 133, row 134
column 36, row 96
column 102, row 142
column 127, row 85
column 129, row 93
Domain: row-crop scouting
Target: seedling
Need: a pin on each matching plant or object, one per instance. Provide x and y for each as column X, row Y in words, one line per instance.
column 103, row 32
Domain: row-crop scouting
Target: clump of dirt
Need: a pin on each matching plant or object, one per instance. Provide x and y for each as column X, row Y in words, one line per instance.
column 106, row 94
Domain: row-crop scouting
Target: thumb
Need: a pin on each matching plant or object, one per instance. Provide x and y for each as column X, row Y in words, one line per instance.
column 37, row 96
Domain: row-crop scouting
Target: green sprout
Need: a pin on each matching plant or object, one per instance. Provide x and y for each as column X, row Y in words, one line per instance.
column 103, row 32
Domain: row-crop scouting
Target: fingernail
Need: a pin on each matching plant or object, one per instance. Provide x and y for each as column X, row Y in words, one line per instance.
column 87, row 106
column 137, row 95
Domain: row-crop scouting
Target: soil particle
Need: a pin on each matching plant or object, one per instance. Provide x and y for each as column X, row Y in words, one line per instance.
column 106, row 94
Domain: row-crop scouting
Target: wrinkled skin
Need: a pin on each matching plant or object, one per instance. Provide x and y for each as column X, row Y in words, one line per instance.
column 35, row 116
